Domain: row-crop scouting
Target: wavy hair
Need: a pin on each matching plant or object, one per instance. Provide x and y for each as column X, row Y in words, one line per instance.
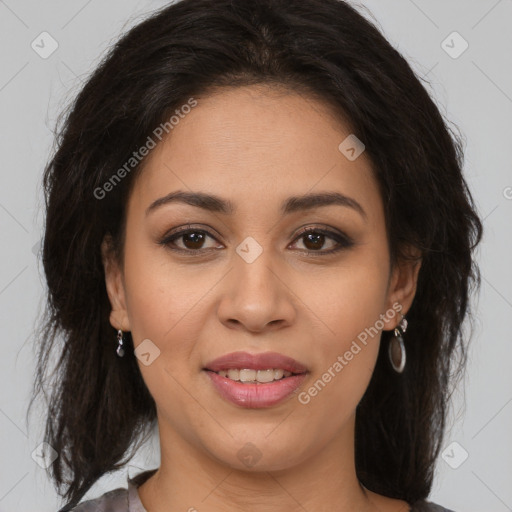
column 99, row 409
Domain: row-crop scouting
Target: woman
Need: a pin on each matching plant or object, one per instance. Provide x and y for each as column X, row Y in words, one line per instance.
column 258, row 237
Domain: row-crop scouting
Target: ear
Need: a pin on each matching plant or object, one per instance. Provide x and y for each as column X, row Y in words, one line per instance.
column 402, row 285
column 115, row 286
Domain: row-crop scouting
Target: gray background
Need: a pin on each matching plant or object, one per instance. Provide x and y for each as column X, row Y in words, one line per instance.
column 473, row 90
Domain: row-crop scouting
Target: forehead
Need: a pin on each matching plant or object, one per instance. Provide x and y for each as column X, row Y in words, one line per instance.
column 257, row 144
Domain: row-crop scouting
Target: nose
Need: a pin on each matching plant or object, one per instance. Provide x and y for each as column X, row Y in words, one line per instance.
column 256, row 296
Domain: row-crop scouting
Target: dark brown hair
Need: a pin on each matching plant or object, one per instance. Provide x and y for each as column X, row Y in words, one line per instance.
column 99, row 408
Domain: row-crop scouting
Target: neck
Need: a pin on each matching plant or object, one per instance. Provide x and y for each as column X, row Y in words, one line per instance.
column 190, row 480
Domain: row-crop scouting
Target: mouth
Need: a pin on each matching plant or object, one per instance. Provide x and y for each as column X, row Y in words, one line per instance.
column 255, row 381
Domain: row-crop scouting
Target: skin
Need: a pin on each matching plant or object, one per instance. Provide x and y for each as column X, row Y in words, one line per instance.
column 256, row 146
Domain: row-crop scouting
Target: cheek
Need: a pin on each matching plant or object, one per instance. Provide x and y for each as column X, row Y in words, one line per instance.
column 347, row 353
column 346, row 300
column 161, row 301
column 347, row 308
column 164, row 307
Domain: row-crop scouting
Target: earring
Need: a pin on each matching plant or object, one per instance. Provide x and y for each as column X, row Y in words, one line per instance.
column 120, row 349
column 396, row 347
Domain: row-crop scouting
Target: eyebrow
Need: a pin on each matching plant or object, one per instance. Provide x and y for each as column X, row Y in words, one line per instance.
column 293, row 204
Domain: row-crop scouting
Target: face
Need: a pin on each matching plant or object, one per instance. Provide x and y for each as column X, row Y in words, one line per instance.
column 252, row 270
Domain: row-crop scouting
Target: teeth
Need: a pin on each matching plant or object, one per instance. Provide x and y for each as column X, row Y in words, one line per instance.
column 263, row 375
column 254, row 376
column 278, row 374
column 234, row 374
column 248, row 375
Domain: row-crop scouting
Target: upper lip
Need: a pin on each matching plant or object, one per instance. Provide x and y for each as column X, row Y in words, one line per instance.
column 264, row 361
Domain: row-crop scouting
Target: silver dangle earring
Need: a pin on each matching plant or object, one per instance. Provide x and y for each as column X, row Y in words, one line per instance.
column 120, row 349
column 396, row 347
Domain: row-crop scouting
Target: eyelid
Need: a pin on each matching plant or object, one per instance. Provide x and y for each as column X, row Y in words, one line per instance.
column 185, row 228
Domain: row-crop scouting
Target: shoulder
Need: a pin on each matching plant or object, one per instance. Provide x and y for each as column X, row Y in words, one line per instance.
column 427, row 506
column 116, row 500
column 112, row 501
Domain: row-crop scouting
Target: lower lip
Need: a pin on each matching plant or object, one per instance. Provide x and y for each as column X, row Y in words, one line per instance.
column 255, row 396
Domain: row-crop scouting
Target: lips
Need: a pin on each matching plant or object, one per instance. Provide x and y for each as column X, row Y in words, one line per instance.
column 255, row 395
column 264, row 361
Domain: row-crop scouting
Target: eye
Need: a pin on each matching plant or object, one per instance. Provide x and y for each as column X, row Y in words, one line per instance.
column 314, row 239
column 189, row 240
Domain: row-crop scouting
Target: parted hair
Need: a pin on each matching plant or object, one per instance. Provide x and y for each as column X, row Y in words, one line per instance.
column 99, row 409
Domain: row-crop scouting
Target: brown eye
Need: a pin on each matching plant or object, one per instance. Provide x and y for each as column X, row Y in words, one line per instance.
column 193, row 240
column 315, row 240
column 189, row 240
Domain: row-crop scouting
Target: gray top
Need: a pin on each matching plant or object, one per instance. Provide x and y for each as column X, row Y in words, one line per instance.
column 127, row 500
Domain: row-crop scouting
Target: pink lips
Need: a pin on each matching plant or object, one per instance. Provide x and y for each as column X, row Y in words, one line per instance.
column 255, row 362
column 255, row 395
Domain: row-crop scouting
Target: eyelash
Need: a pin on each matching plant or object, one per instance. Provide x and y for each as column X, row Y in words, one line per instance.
column 344, row 241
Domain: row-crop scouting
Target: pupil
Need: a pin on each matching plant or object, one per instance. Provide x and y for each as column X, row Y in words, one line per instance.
column 317, row 240
column 193, row 240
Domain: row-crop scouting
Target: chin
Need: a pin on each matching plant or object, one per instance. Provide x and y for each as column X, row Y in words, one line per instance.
column 261, row 454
